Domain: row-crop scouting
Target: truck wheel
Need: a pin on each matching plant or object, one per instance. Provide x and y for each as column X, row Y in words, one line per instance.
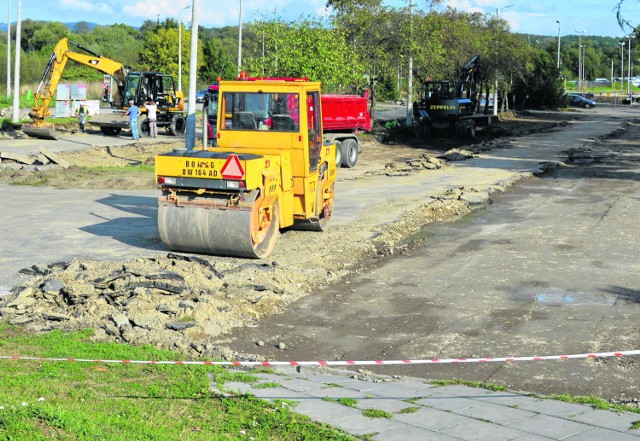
column 178, row 126
column 423, row 129
column 349, row 152
column 110, row 131
column 338, row 154
column 471, row 130
column 143, row 126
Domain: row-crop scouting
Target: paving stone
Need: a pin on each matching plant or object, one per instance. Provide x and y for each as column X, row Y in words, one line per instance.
column 317, row 409
column 431, row 419
column 608, row 419
column 410, row 433
column 236, row 386
column 299, row 384
column 399, row 391
column 599, row 434
column 279, row 393
column 450, row 403
column 390, row 405
column 357, row 424
column 496, row 413
column 477, row 430
column 336, row 392
column 54, row 158
column 554, row 408
column 466, row 392
column 361, row 386
column 552, row 427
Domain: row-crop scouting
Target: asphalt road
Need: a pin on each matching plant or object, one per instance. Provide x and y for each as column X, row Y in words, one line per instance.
column 551, row 267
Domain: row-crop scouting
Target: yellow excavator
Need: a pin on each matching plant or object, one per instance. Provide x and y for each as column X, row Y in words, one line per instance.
column 136, row 86
column 271, row 169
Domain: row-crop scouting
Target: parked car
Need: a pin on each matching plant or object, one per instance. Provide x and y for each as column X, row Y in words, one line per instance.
column 200, row 94
column 580, row 101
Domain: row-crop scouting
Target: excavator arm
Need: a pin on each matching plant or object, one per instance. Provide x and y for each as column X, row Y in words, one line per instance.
column 47, row 87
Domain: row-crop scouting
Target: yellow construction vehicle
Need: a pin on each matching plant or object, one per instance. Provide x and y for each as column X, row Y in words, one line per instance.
column 270, row 170
column 136, row 86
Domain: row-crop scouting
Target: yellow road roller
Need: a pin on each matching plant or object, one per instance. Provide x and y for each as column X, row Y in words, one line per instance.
column 270, row 169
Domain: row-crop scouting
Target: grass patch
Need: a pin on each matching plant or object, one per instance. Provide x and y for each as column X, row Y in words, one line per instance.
column 595, row 402
column 269, row 385
column 376, row 413
column 408, row 410
column 130, row 168
column 349, row 402
column 478, row 384
column 87, row 401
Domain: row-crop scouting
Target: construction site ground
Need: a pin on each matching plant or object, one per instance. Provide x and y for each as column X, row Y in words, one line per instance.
column 81, row 249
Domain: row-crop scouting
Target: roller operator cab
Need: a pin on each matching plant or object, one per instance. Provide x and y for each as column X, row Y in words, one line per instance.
column 270, row 170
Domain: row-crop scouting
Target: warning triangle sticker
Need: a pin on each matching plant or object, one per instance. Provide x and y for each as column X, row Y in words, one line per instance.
column 232, row 169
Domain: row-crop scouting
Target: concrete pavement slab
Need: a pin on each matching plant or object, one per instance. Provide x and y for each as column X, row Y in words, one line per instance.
column 551, row 427
column 608, row 419
column 387, row 404
column 496, row 413
column 410, row 433
column 476, row 430
column 358, row 424
column 598, row 434
column 435, row 420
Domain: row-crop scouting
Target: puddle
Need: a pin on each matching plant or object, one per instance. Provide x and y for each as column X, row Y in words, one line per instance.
column 547, row 295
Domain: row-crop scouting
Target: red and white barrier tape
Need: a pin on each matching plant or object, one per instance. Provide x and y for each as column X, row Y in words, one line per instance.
column 339, row 362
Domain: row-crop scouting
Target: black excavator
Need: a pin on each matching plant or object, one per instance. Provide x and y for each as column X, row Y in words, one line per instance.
column 449, row 105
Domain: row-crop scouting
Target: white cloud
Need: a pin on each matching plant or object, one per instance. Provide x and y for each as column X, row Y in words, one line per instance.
column 83, row 5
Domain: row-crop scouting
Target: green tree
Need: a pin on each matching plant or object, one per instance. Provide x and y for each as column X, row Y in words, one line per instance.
column 216, row 62
column 305, row 48
column 160, row 52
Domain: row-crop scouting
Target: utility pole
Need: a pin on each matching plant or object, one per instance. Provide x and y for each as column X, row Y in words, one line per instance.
column 190, row 135
column 621, row 64
column 558, row 65
column 410, row 73
column 15, row 117
column 180, row 47
column 495, row 84
column 240, row 39
column 9, row 49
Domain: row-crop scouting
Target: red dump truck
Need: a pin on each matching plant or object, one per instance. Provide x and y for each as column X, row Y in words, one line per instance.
column 343, row 118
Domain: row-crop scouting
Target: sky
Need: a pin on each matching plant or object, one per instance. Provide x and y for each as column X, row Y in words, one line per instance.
column 540, row 17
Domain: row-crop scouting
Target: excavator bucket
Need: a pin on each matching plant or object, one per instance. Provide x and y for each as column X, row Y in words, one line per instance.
column 41, row 131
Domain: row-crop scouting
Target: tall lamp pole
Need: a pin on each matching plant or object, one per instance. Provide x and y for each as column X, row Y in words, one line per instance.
column 580, row 60
column 621, row 64
column 495, row 85
column 629, row 68
column 16, row 73
column 180, row 47
column 9, row 49
column 240, row 39
column 558, row 65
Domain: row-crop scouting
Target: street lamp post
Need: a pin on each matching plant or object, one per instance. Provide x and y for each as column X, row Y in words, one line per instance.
column 15, row 115
column 621, row 64
column 558, row 65
column 580, row 60
column 9, row 49
column 240, row 38
column 180, row 47
column 629, row 67
column 495, row 84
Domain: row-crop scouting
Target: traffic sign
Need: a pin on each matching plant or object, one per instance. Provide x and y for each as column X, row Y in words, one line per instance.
column 232, row 169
